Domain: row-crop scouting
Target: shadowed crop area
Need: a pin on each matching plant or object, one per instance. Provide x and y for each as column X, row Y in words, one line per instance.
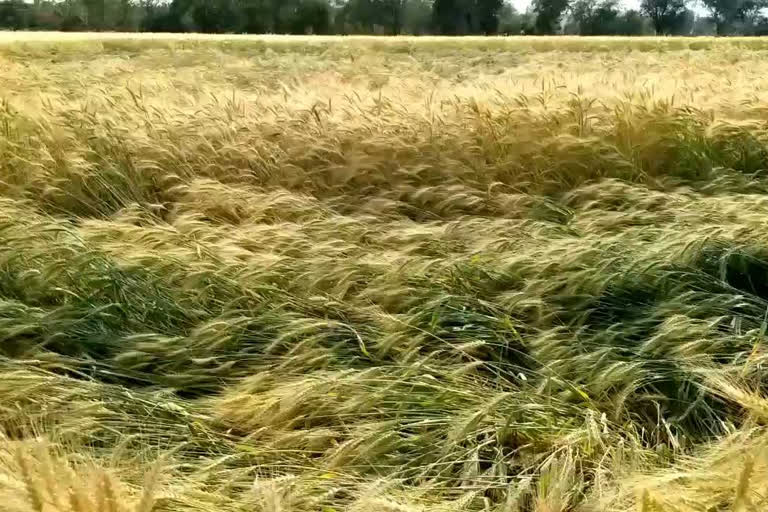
column 383, row 275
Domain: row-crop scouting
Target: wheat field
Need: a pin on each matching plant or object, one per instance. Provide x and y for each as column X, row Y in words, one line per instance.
column 333, row 274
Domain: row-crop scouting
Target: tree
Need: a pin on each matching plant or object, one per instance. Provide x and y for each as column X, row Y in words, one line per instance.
column 214, row 16
column 281, row 15
column 311, row 17
column 487, row 16
column 446, row 15
column 72, row 15
column 95, row 13
column 360, row 15
column 171, row 18
column 155, row 16
column 664, row 14
column 759, row 26
column 417, row 16
column 632, row 23
column 14, row 14
column 750, row 14
column 255, row 16
column 548, row 15
column 597, row 18
column 393, row 15
column 125, row 16
column 703, row 26
column 683, row 24
column 510, row 21
column 729, row 14
column 375, row 15
column 466, row 16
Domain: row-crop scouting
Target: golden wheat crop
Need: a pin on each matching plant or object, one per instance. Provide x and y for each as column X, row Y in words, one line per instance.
column 383, row 275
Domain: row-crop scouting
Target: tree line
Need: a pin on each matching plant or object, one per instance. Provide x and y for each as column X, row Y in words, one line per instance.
column 448, row 17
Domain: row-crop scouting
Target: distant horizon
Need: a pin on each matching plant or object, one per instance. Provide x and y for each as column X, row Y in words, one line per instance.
column 523, row 5
column 695, row 6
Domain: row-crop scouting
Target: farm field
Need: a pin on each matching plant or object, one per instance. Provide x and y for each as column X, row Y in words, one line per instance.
column 370, row 274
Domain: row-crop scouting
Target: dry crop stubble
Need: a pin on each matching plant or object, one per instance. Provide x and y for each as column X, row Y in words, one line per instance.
column 269, row 273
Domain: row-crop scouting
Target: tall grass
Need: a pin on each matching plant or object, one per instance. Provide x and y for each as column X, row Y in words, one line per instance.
column 383, row 275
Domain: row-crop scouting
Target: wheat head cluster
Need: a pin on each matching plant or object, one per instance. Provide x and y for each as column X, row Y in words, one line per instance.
column 278, row 274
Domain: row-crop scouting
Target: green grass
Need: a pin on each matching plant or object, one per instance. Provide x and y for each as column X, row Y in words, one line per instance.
column 273, row 274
